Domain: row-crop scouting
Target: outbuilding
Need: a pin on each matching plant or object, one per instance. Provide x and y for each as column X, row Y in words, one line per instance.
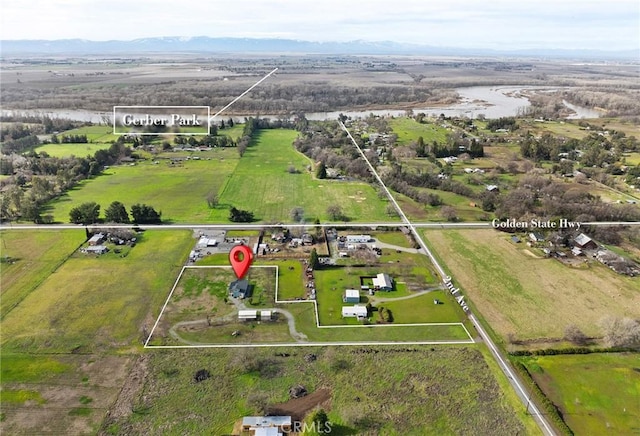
column 351, row 296
column 584, row 242
column 97, row 239
column 247, row 315
column 356, row 311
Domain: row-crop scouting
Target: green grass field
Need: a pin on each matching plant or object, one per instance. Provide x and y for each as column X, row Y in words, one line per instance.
column 422, row 395
column 394, row 238
column 67, row 150
column 29, row 258
column 180, row 192
column 262, row 184
column 422, row 309
column 259, row 182
column 102, row 134
column 408, row 130
column 522, row 294
column 596, row 393
column 95, row 303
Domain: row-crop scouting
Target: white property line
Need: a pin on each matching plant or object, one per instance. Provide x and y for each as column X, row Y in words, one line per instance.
column 243, row 94
column 315, row 304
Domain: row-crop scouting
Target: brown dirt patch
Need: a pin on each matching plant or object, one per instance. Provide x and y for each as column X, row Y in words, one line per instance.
column 529, row 253
column 299, row 407
column 131, row 387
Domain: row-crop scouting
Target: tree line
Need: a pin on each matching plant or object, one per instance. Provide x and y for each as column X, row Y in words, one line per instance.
column 89, row 213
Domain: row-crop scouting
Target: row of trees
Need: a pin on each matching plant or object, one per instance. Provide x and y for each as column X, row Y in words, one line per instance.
column 89, row 213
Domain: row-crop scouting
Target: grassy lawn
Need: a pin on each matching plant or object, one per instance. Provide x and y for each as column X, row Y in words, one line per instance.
column 422, row 309
column 95, row 303
column 596, row 393
column 94, row 133
column 529, row 297
column 290, row 275
column 33, row 257
column 262, row 184
column 422, row 394
column 67, row 150
column 394, row 238
column 234, row 132
column 180, row 192
column 408, row 130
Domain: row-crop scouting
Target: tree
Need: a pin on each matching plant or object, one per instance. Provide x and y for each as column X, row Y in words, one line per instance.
column 212, row 199
column 449, row 213
column 240, row 216
column 313, row 259
column 321, row 171
column 86, row 213
column 573, row 334
column 297, row 214
column 144, row 214
column 391, row 210
column 421, row 148
column 116, row 213
column 335, row 213
column 620, row 332
column 320, row 421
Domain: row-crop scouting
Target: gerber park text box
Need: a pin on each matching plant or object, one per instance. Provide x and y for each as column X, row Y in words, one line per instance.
column 161, row 120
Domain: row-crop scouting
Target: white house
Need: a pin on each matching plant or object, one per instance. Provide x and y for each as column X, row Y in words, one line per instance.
column 383, row 282
column 356, row 311
column 358, row 239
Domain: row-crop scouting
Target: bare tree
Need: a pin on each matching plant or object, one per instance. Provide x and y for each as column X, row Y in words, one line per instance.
column 574, row 335
column 620, row 332
column 449, row 213
column 512, row 167
column 212, row 199
column 527, row 166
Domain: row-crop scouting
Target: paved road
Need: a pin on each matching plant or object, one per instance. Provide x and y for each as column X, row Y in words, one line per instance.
column 503, row 363
column 443, row 225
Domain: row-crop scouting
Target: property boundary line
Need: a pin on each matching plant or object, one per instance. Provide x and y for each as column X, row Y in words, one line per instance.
column 318, row 325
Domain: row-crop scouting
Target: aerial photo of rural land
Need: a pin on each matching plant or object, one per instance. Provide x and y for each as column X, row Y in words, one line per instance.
column 278, row 217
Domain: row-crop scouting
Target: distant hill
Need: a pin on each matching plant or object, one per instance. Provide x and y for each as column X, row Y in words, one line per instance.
column 203, row 44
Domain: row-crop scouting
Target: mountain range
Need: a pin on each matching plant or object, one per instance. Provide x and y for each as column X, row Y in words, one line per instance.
column 203, row 44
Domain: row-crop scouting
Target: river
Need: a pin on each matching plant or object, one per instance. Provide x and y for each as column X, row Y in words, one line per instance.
column 490, row 101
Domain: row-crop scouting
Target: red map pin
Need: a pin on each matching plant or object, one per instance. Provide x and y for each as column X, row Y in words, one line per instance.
column 240, row 258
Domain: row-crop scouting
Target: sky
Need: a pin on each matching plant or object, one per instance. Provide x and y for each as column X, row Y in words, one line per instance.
column 491, row 24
